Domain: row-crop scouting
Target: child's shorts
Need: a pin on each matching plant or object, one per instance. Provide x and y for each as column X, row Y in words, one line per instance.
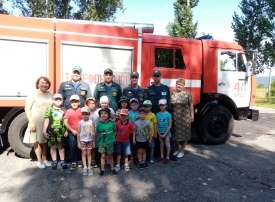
column 56, row 140
column 123, row 148
column 108, row 148
column 165, row 140
column 142, row 145
column 152, row 142
column 86, row 145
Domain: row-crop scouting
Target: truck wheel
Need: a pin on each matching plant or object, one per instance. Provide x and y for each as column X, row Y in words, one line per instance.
column 216, row 125
column 16, row 133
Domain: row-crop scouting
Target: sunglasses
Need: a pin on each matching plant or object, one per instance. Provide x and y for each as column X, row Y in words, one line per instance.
column 134, row 77
column 156, row 76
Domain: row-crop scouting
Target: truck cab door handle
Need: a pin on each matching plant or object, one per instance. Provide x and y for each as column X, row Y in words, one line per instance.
column 221, row 84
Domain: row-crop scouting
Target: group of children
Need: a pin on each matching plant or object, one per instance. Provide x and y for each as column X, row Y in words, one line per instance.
column 93, row 128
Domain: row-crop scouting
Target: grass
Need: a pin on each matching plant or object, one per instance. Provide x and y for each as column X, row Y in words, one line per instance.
column 261, row 99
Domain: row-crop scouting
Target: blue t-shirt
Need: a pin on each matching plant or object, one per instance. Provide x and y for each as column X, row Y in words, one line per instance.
column 163, row 122
column 133, row 116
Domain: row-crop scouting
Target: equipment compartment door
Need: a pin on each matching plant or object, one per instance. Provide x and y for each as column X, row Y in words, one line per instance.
column 233, row 79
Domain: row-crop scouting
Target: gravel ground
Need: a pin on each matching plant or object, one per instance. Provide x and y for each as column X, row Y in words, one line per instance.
column 242, row 169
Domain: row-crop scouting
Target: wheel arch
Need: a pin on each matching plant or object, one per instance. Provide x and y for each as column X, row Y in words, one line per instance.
column 211, row 100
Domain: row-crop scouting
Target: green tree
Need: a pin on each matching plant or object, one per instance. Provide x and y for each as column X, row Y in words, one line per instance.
column 255, row 30
column 183, row 25
column 2, row 9
column 98, row 10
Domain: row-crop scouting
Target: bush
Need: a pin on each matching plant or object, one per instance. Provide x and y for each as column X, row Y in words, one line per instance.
column 261, row 86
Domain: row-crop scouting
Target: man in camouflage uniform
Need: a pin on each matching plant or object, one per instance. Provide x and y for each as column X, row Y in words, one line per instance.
column 133, row 90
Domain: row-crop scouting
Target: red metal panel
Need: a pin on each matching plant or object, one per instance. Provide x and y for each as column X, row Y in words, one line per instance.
column 94, row 34
column 32, row 28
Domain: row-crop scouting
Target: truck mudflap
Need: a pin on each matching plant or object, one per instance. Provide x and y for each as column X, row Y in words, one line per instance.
column 253, row 114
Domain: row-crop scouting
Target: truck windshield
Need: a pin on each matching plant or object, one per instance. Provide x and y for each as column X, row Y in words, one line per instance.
column 232, row 61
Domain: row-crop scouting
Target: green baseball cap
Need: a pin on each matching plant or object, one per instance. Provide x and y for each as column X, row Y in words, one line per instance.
column 77, row 68
column 108, row 70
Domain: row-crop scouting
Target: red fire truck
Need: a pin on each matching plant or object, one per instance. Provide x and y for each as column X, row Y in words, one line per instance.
column 217, row 73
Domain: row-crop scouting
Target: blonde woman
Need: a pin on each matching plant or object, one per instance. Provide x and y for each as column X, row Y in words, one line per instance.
column 183, row 116
column 36, row 105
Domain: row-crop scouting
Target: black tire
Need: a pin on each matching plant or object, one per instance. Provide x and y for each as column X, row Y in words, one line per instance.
column 16, row 133
column 216, row 125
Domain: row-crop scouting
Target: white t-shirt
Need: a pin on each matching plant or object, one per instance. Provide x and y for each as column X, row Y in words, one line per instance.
column 86, row 134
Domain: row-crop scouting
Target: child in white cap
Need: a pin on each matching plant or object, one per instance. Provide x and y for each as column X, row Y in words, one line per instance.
column 104, row 102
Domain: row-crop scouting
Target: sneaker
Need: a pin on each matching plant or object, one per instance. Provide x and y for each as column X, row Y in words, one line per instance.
column 85, row 172
column 145, row 165
column 160, row 159
column 175, row 153
column 80, row 164
column 102, row 173
column 127, row 168
column 152, row 160
column 166, row 160
column 90, row 172
column 40, row 165
column 140, row 166
column 46, row 163
column 73, row 166
column 180, row 155
column 114, row 172
column 117, row 168
column 94, row 165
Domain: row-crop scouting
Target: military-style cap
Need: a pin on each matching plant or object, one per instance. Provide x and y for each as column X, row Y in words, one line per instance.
column 77, row 68
column 134, row 74
column 147, row 103
column 156, row 73
column 108, row 70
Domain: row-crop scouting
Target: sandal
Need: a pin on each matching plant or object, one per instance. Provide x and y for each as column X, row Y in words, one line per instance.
column 54, row 165
column 63, row 164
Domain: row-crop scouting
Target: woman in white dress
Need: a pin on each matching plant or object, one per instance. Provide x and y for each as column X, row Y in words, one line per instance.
column 36, row 105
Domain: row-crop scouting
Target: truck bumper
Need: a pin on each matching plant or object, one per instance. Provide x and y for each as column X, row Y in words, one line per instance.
column 253, row 114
